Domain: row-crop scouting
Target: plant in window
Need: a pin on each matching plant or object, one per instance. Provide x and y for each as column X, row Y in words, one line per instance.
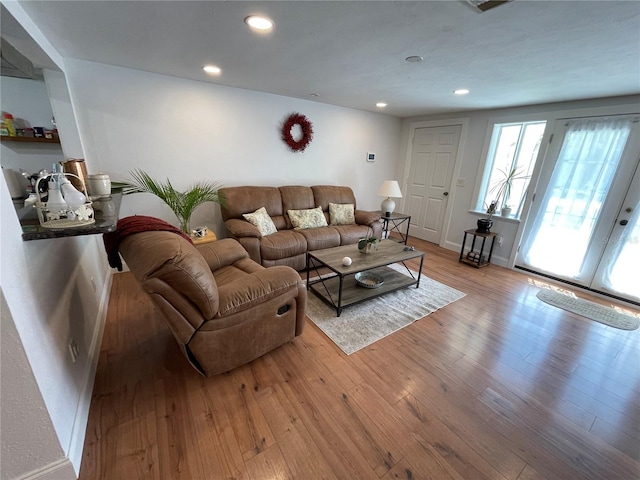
column 501, row 189
column 182, row 204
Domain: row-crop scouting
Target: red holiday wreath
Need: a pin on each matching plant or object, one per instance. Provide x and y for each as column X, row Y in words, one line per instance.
column 307, row 132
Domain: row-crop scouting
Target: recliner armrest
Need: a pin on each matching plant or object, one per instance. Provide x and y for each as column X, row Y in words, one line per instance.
column 222, row 253
column 364, row 217
column 241, row 228
column 256, row 288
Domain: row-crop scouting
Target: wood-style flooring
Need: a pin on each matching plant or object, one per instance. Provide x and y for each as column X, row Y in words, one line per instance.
column 497, row 385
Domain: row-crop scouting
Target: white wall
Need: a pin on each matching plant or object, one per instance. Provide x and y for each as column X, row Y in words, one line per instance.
column 188, row 131
column 49, row 301
column 28, row 437
column 472, row 161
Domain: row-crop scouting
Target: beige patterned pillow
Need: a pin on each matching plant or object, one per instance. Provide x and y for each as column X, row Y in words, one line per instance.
column 341, row 214
column 309, row 218
column 261, row 219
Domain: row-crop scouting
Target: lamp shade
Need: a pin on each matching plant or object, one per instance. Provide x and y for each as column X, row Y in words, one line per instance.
column 390, row 188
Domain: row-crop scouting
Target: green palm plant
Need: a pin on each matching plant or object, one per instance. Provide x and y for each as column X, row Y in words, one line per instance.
column 181, row 203
column 501, row 189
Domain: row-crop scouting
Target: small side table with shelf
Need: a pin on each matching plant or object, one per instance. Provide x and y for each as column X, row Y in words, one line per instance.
column 393, row 223
column 477, row 258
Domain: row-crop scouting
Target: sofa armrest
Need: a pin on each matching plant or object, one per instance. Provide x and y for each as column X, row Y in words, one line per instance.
column 257, row 288
column 364, row 217
column 222, row 252
column 241, row 228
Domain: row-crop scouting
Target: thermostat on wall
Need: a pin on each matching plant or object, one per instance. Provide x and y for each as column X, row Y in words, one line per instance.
column 371, row 157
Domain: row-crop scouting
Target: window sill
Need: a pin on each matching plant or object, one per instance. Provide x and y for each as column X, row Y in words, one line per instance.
column 496, row 217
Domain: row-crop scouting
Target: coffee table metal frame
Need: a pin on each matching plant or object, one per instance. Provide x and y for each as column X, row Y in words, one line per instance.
column 339, row 289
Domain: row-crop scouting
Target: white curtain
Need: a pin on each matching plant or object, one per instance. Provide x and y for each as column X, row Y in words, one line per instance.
column 572, row 202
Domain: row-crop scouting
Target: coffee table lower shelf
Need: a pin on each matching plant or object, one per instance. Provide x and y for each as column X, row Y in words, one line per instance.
column 328, row 288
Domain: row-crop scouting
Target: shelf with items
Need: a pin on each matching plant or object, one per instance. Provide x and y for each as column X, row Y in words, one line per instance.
column 7, row 138
column 106, row 219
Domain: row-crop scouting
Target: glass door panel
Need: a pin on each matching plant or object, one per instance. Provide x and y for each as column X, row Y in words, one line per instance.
column 618, row 272
column 580, row 191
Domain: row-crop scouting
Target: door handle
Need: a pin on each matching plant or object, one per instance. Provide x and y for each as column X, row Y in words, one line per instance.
column 624, row 222
column 445, row 194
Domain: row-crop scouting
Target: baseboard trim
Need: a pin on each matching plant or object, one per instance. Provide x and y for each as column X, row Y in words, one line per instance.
column 59, row 470
column 78, row 433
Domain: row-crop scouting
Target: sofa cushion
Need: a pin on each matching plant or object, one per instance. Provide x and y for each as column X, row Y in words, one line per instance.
column 325, row 194
column 320, row 238
column 296, row 197
column 352, row 233
column 261, row 219
column 307, row 218
column 341, row 213
column 282, row 244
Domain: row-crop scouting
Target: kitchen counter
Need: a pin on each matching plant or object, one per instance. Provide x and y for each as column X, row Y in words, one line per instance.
column 106, row 218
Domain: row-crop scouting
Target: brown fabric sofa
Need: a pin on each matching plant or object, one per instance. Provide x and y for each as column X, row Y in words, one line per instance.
column 223, row 308
column 288, row 246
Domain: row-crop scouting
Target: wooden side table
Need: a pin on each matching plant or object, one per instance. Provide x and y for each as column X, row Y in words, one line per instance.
column 209, row 237
column 477, row 258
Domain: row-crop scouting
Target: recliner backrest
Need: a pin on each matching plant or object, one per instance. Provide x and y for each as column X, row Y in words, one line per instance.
column 168, row 265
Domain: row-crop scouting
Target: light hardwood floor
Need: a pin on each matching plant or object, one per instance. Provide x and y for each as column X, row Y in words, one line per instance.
column 497, row 385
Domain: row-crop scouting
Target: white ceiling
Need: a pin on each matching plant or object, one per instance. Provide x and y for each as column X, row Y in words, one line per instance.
column 352, row 53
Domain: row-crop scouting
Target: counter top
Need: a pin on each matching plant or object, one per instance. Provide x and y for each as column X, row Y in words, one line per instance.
column 106, row 215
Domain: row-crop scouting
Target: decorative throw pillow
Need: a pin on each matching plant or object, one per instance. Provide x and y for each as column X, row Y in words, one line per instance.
column 309, row 218
column 261, row 219
column 341, row 214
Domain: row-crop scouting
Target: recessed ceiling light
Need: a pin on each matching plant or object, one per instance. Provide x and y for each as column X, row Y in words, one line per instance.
column 461, row 91
column 414, row 59
column 212, row 69
column 259, row 23
column 381, row 104
column 314, row 95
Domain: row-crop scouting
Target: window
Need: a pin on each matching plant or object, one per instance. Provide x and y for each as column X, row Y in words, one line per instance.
column 512, row 153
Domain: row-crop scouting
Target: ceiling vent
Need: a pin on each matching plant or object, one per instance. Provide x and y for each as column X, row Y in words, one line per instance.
column 484, row 5
column 14, row 64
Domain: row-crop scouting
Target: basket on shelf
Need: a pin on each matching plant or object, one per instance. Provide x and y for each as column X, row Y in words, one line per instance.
column 61, row 214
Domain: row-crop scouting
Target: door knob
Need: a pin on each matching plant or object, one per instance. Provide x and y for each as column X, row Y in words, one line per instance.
column 445, row 194
column 623, row 222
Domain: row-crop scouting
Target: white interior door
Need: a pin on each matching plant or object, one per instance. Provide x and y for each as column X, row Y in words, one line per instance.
column 586, row 185
column 433, row 156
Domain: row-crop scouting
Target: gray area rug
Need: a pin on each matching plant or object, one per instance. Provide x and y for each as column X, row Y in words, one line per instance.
column 591, row 310
column 362, row 324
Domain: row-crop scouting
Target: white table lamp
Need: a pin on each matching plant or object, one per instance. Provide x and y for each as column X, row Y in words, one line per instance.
column 389, row 188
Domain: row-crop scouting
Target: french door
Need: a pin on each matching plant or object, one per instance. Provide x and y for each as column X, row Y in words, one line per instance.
column 584, row 221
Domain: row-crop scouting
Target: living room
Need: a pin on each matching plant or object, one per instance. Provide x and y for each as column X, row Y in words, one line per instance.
column 187, row 130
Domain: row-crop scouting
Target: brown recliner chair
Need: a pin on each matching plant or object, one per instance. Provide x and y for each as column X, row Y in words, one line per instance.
column 223, row 308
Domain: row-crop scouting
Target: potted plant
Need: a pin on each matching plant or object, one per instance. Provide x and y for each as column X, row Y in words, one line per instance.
column 500, row 190
column 368, row 243
column 182, row 204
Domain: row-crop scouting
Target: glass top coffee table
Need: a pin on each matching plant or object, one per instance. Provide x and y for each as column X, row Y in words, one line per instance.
column 368, row 276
